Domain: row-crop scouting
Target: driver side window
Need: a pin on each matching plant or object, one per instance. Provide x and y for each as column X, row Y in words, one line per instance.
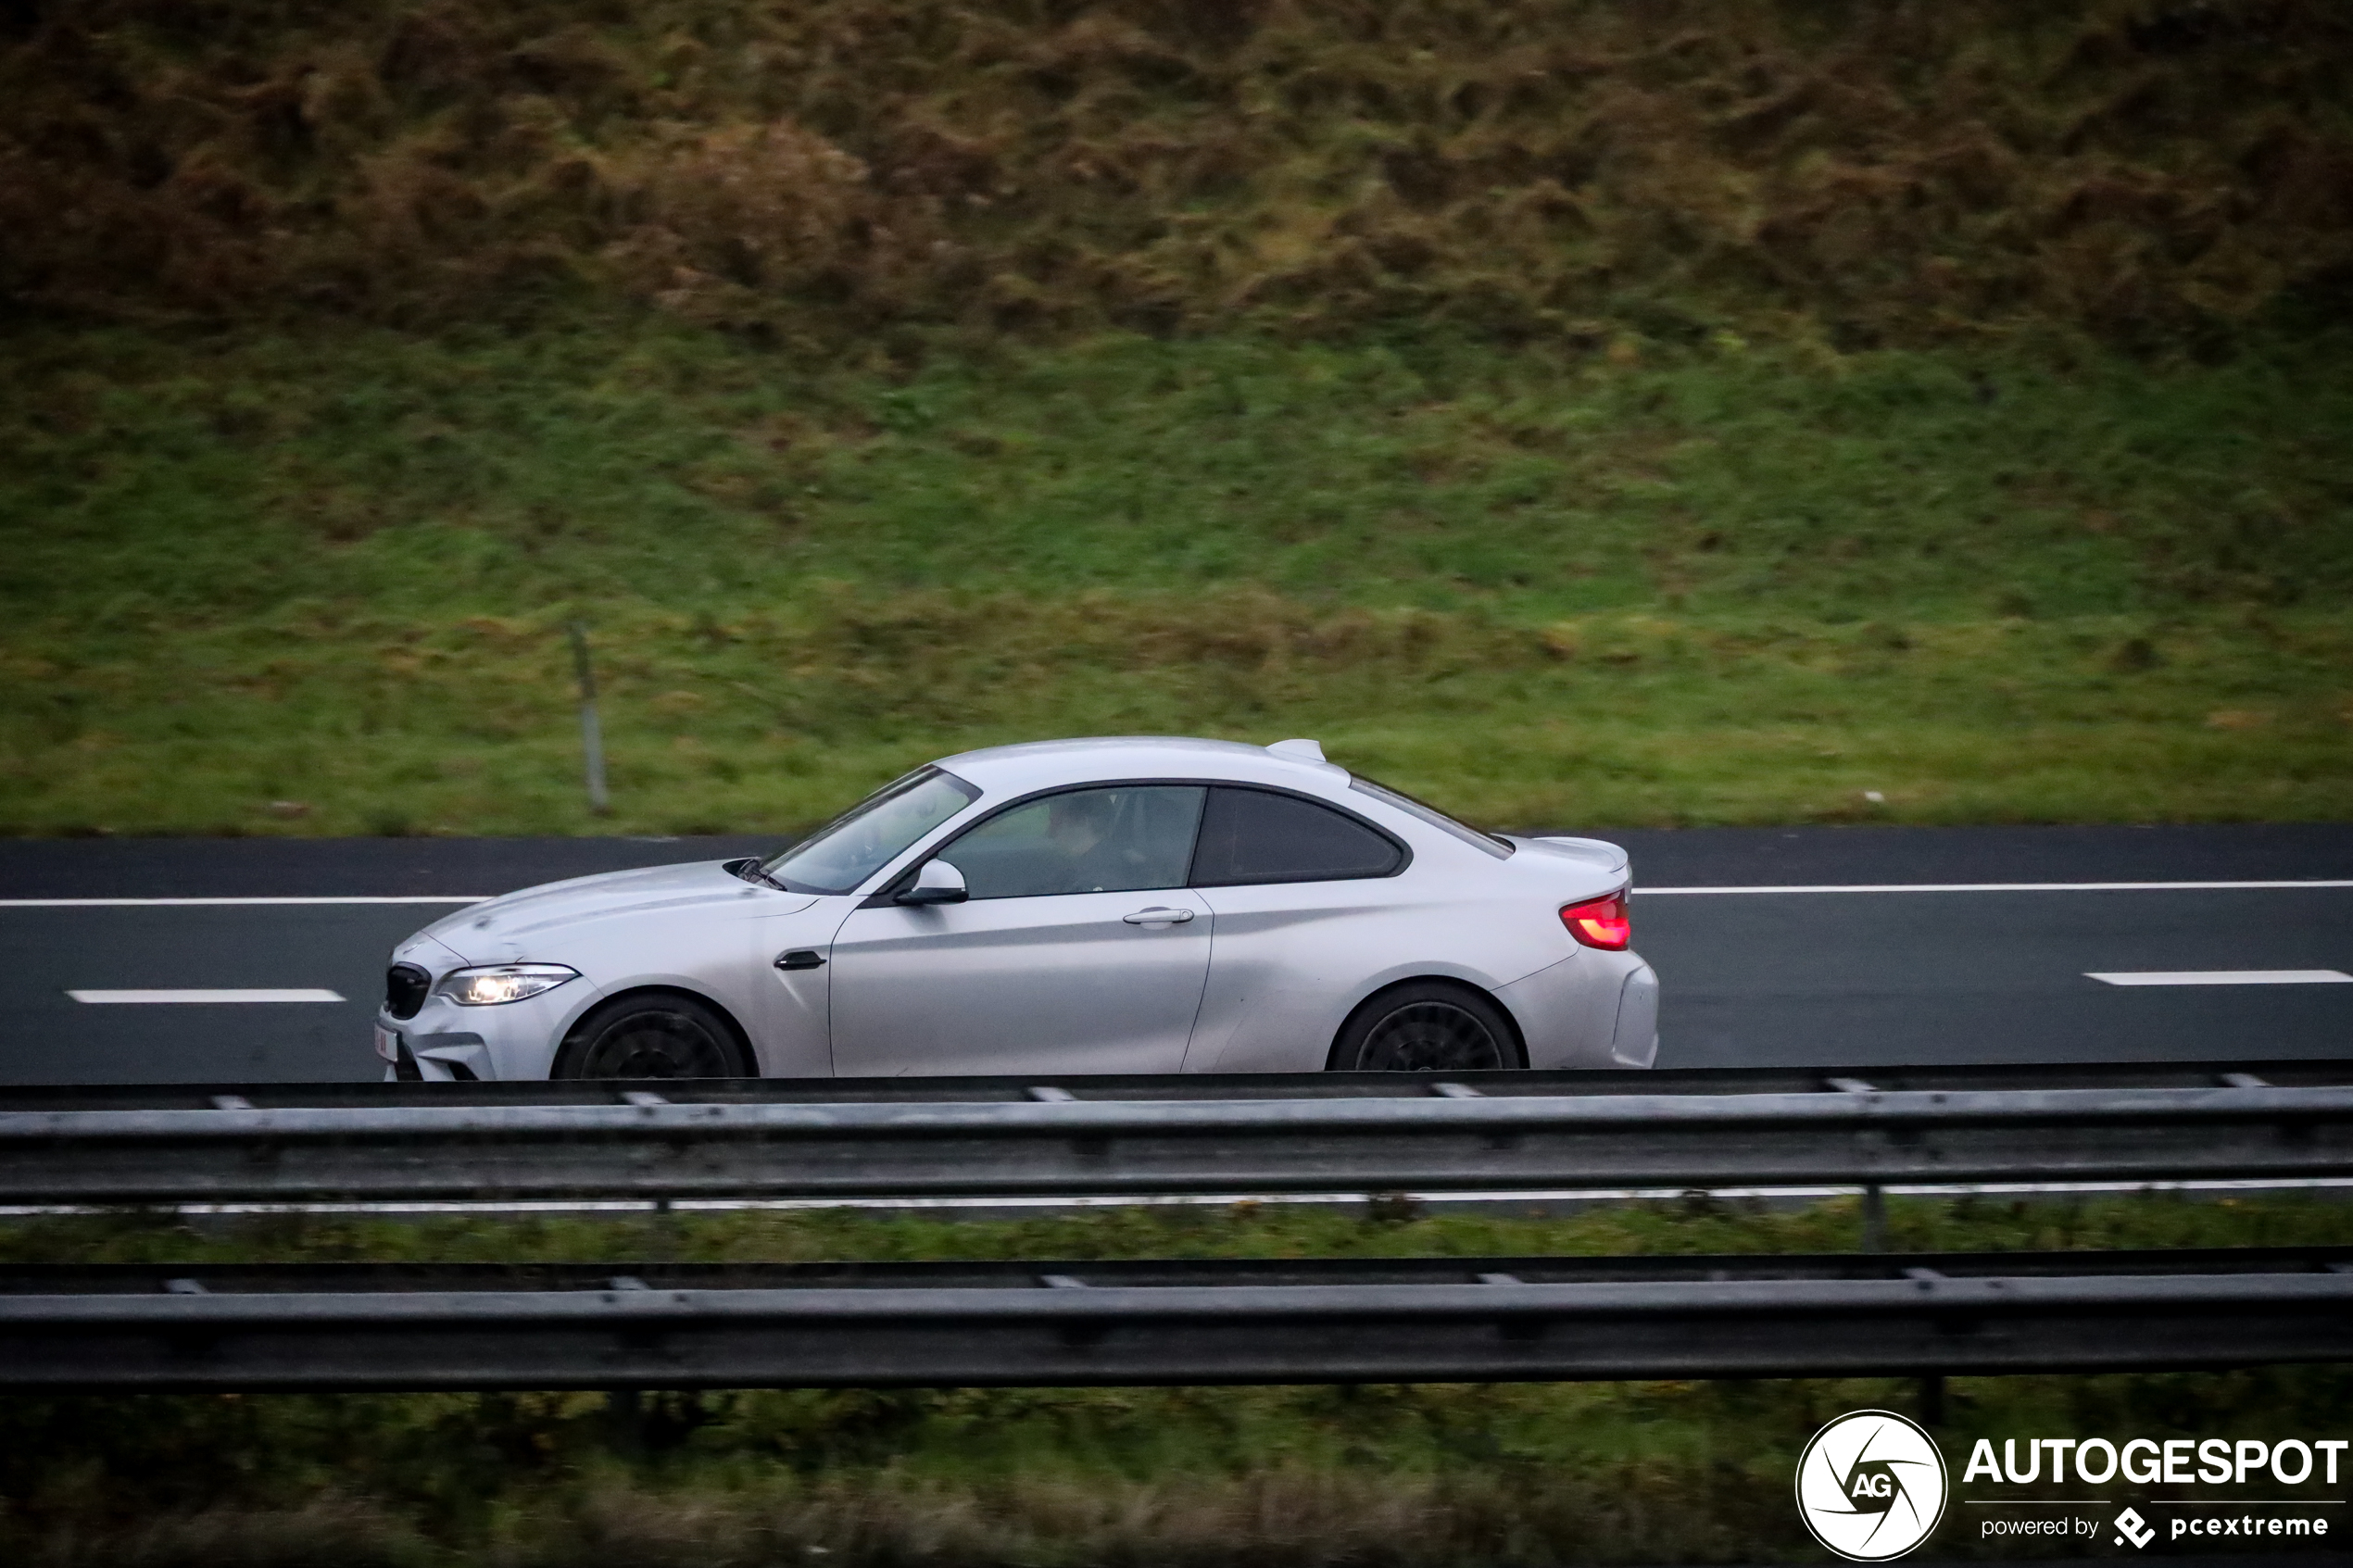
column 1118, row 840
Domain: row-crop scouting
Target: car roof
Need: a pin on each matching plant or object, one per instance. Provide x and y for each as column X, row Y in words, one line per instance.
column 1001, row 771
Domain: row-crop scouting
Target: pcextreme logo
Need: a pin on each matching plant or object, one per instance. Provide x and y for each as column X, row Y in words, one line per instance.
column 1870, row 1486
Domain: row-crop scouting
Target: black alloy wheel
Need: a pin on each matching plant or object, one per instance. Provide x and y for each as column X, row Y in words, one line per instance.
column 1426, row 1027
column 652, row 1037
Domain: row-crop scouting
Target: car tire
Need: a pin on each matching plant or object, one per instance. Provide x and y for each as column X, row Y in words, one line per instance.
column 653, row 1034
column 1427, row 1026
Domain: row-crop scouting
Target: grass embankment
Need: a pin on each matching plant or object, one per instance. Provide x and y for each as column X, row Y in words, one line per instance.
column 780, row 344
column 1451, row 1474
column 1721, row 584
column 2145, row 170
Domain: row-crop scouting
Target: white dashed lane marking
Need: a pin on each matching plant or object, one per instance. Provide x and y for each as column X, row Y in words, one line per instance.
column 1641, row 892
column 296, row 995
column 2224, row 977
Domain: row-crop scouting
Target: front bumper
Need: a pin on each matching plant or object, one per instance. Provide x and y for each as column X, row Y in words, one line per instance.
column 432, row 1058
column 446, row 1043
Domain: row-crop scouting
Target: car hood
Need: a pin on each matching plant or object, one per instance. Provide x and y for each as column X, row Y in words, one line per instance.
column 500, row 930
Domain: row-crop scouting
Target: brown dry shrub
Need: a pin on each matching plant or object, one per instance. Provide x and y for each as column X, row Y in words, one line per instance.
column 1889, row 172
column 723, row 223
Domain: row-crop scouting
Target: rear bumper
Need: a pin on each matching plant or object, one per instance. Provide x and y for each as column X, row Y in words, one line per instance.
column 1634, row 1040
column 1590, row 1010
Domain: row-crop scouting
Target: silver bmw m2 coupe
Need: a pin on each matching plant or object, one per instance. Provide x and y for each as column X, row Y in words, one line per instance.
column 1128, row 905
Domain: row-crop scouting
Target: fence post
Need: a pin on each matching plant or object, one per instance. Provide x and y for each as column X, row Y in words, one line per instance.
column 592, row 736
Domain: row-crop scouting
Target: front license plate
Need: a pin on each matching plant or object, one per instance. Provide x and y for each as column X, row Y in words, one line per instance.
column 387, row 1044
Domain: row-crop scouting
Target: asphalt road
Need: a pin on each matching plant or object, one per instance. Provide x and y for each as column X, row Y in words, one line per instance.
column 1875, row 945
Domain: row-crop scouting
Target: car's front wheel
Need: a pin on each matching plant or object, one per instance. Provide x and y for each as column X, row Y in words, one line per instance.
column 1427, row 1026
column 655, row 1034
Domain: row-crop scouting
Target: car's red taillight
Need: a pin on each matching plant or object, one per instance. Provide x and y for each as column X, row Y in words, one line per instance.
column 1602, row 922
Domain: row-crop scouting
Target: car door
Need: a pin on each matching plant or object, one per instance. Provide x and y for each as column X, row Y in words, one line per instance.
column 1309, row 907
column 1077, row 949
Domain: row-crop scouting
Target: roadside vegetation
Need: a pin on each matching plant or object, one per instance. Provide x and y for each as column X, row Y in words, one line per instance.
column 1661, row 1471
column 317, row 580
column 1582, row 414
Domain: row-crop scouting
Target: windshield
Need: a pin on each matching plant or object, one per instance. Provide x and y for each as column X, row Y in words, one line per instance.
column 1500, row 848
column 854, row 846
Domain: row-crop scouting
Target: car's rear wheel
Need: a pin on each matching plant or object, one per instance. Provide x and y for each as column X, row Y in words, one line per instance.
column 1427, row 1026
column 656, row 1035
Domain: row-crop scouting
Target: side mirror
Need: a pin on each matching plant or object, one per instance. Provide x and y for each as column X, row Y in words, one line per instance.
column 937, row 883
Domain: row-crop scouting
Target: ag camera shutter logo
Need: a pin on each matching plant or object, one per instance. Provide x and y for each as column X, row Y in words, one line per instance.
column 1871, row 1486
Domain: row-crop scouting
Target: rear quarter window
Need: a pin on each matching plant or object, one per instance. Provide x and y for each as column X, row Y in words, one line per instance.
column 1251, row 836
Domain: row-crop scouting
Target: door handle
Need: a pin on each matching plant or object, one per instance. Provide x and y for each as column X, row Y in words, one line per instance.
column 800, row 957
column 1158, row 916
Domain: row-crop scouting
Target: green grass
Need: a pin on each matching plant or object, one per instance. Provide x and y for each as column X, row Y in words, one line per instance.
column 1643, row 1472
column 332, row 570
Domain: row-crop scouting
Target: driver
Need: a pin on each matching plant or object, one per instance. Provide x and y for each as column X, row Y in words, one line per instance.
column 1079, row 825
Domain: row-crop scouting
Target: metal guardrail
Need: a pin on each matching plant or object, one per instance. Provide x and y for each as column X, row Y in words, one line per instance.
column 369, row 1326
column 264, row 1278
column 1179, row 1087
column 1445, row 1136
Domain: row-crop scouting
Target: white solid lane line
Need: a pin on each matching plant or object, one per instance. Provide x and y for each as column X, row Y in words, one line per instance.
column 2003, row 887
column 187, row 903
column 2223, row 977
column 300, row 995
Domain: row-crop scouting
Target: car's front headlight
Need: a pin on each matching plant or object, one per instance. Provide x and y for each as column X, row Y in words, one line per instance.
column 492, row 984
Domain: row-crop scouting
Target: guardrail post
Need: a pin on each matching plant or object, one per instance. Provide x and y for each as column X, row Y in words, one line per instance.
column 625, row 1422
column 1933, row 1399
column 1874, row 1218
